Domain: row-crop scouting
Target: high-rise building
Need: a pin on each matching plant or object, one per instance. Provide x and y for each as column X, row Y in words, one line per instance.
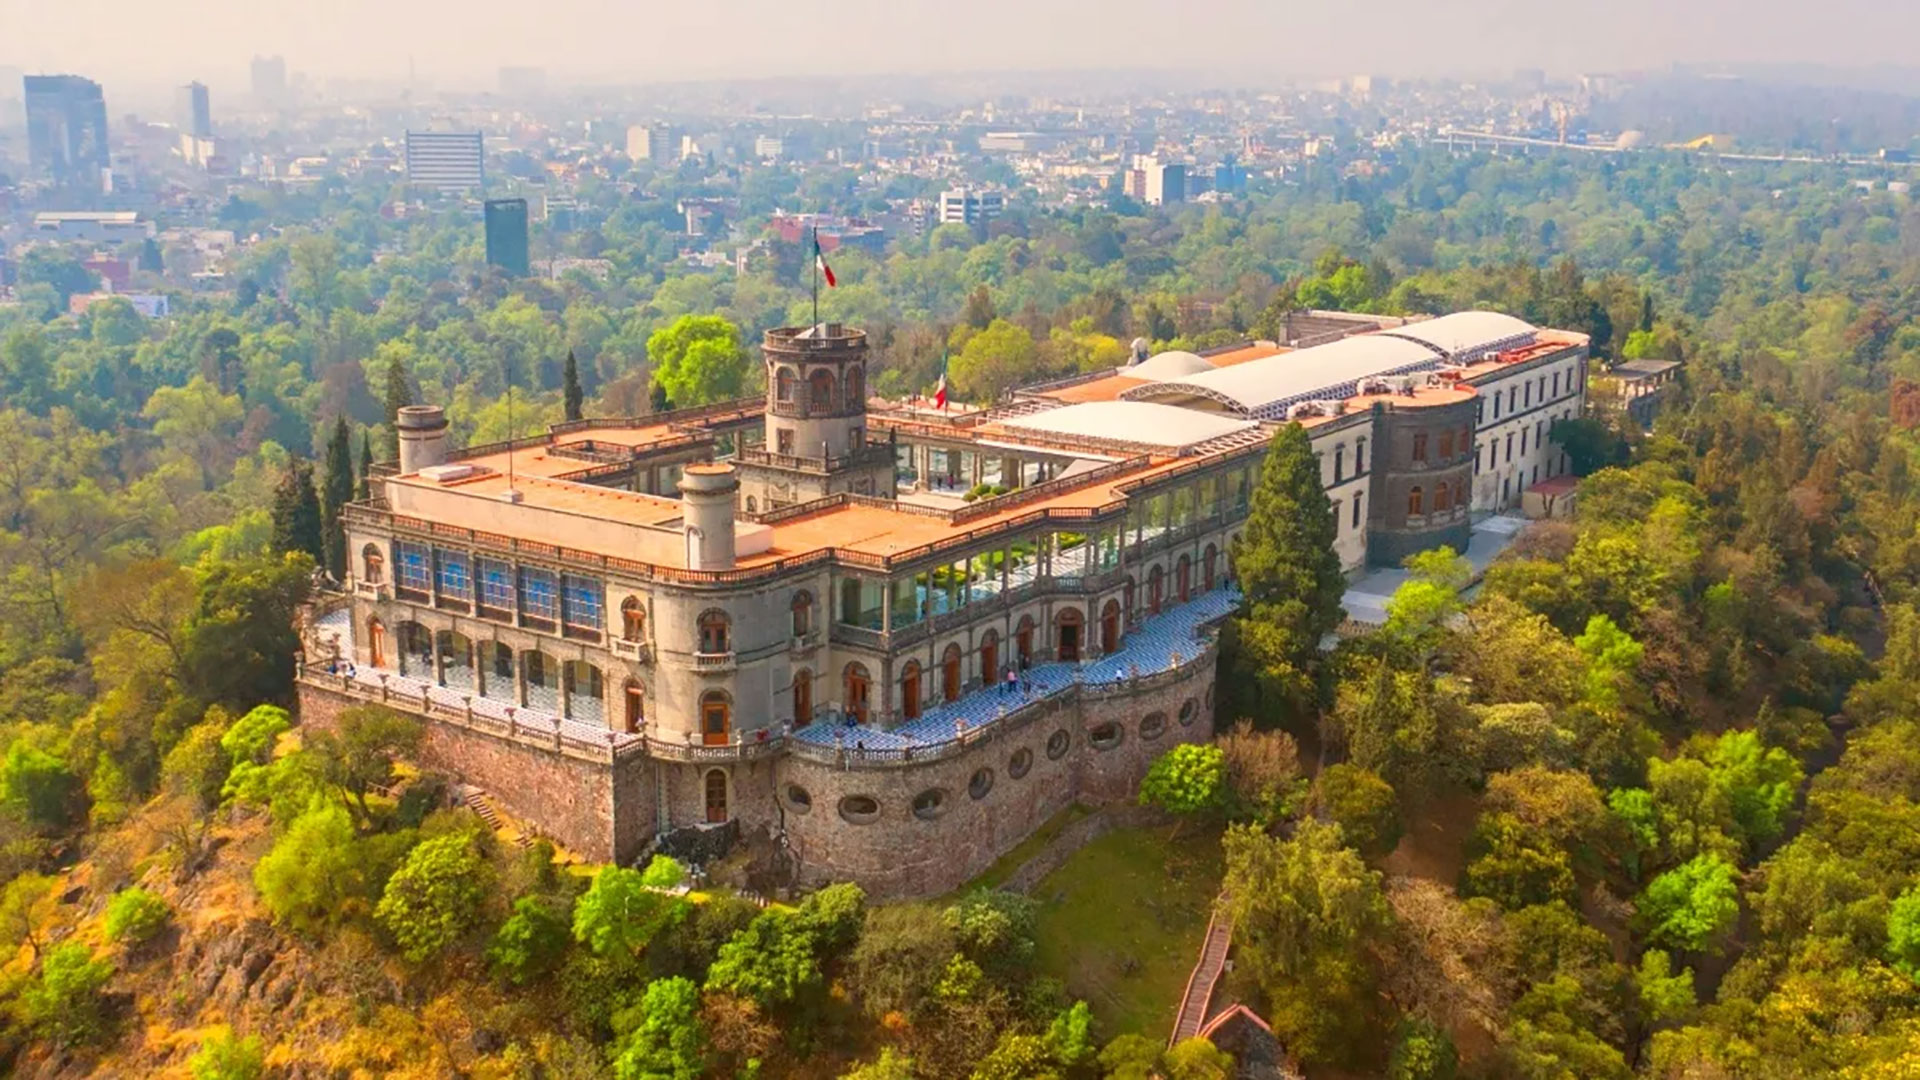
column 194, row 110
column 1166, row 183
column 270, row 79
column 651, row 142
column 67, row 129
column 507, row 235
column 446, row 160
column 970, row 206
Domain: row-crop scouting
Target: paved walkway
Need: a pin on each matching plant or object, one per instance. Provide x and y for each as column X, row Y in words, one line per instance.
column 1365, row 600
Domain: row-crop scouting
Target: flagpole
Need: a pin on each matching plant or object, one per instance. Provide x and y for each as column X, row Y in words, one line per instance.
column 816, row 275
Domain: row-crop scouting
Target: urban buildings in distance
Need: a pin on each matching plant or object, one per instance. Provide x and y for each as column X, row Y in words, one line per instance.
column 67, row 130
column 448, row 161
column 507, row 242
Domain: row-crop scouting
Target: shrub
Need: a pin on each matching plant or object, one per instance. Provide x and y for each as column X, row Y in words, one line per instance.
column 63, row 1003
column 135, row 916
column 222, row 1056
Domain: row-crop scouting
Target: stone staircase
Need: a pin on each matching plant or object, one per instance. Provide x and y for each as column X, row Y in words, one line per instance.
column 483, row 808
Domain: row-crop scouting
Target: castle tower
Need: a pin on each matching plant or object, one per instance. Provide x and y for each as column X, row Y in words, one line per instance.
column 423, row 437
column 816, row 425
column 706, row 494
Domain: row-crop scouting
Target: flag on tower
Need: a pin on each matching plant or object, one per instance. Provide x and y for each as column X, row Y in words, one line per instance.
column 820, row 263
column 940, row 388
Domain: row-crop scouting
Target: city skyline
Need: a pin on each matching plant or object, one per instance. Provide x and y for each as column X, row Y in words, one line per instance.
column 1239, row 42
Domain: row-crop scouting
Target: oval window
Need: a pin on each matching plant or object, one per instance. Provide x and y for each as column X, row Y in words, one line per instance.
column 860, row 809
column 1187, row 709
column 1153, row 726
column 1057, row 744
column 1020, row 763
column 1105, row 737
column 798, row 799
column 929, row 804
column 981, row 783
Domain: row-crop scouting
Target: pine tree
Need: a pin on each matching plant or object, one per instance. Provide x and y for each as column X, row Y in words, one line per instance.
column 296, row 512
column 365, row 486
column 1289, row 572
column 657, row 400
column 399, row 396
column 571, row 382
column 336, row 491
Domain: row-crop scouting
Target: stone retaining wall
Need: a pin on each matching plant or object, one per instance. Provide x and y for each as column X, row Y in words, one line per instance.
column 1076, row 836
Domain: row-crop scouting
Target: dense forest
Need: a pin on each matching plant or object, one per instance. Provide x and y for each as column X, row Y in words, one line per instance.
column 1642, row 802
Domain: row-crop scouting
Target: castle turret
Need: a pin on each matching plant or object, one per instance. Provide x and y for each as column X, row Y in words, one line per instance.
column 423, row 437
column 816, row 421
column 706, row 498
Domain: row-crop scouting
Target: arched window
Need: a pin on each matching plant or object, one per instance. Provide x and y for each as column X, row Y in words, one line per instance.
column 950, row 674
column 586, row 692
column 802, row 610
column 802, row 698
column 1339, row 464
column 373, row 568
column 416, row 651
column 1068, row 627
column 783, row 385
column 716, row 784
column 858, row 692
column 820, row 390
column 716, row 718
column 1420, row 447
column 716, row 632
column 989, row 656
column 633, row 619
column 856, row 389
column 1359, row 456
column 910, row 690
column 1415, row 505
column 456, row 659
column 1446, row 445
column 636, row 699
column 1440, row 498
column 752, row 505
column 1208, row 564
column 1184, row 575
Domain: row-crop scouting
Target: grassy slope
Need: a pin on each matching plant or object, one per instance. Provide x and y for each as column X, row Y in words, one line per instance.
column 1121, row 922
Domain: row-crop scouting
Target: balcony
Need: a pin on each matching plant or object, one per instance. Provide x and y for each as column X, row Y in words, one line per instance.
column 637, row 651
column 801, row 644
column 372, row 590
column 709, row 662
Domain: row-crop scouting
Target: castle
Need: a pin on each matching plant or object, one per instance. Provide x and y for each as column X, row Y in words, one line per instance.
column 782, row 613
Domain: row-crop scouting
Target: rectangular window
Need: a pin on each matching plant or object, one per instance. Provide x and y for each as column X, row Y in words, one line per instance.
column 1527, row 399
column 582, row 597
column 1339, row 464
column 1496, row 405
column 539, row 595
column 1523, row 440
column 1477, row 455
column 1419, row 448
column 1556, row 384
column 496, row 587
column 414, row 569
column 456, row 579
column 1356, row 509
column 1360, row 457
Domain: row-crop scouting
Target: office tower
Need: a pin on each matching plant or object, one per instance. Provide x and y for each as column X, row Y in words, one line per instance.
column 970, row 206
column 67, row 129
column 445, row 160
column 651, row 142
column 194, row 110
column 507, row 235
column 1164, row 183
column 270, row 79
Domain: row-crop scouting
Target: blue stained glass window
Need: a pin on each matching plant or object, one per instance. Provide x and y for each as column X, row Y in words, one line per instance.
column 416, row 566
column 496, row 584
column 583, row 603
column 539, row 599
column 456, row 578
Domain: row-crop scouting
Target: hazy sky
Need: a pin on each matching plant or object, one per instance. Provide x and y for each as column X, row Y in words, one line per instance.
column 464, row 42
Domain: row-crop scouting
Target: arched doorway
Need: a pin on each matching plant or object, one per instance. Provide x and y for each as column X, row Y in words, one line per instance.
column 802, row 698
column 820, row 391
column 1023, row 641
column 716, row 797
column 497, row 657
column 802, row 614
column 542, row 677
column 636, row 698
column 716, row 718
column 456, row 659
column 1208, row 564
column 1184, row 574
column 1110, row 628
column 856, row 390
column 416, row 651
column 859, row 693
column 950, row 674
column 1067, row 627
column 586, row 692
column 910, row 690
column 989, row 656
column 373, row 568
column 1156, row 590
column 376, row 643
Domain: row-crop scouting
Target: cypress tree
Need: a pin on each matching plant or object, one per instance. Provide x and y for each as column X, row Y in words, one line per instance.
column 657, row 400
column 1289, row 573
column 365, row 487
column 571, row 380
column 296, row 512
column 399, row 395
column 336, row 491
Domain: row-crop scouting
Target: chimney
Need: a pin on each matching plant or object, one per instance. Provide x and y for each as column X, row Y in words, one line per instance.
column 423, row 437
column 706, row 499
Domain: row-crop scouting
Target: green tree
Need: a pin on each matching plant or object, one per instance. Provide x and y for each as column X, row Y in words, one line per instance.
column 1288, row 571
column 1760, row 783
column 226, row 1056
column 665, row 1039
column 434, row 898
column 316, row 871
column 1188, row 779
column 570, row 388
column 530, row 942
column 358, row 754
column 900, row 956
column 1017, row 1056
column 1130, row 1056
column 1691, row 907
column 41, row 787
column 239, row 640
column 1362, row 804
column 1197, row 1059
column 1422, row 1051
column 890, row 1065
column 398, row 395
column 996, row 930
column 63, row 1003
column 1665, row 995
column 993, row 361
column 297, row 525
column 363, row 484
column 251, row 738
column 336, row 491
column 772, row 961
column 619, row 914
column 135, row 915
column 22, row 909
column 699, row 359
column 1070, row 1036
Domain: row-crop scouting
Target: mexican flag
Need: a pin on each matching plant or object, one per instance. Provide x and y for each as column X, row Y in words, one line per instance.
column 940, row 388
column 820, row 263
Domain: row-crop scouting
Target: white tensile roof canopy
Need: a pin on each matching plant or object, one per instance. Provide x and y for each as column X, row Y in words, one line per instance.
column 1132, row 421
